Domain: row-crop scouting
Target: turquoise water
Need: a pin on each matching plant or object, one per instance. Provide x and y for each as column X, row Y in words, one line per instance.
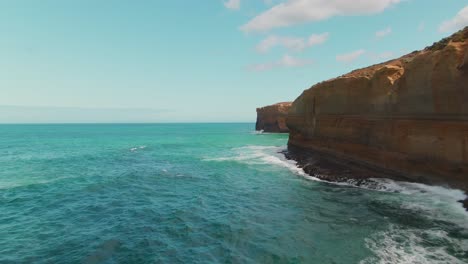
column 204, row 193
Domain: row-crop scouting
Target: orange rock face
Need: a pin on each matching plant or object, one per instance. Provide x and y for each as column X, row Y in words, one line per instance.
column 408, row 115
column 272, row 118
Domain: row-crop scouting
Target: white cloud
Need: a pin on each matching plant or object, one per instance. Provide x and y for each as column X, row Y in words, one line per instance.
column 291, row 43
column 301, row 11
column 286, row 61
column 289, row 61
column 350, row 57
column 458, row 22
column 384, row 32
column 318, row 39
column 232, row 4
column 421, row 26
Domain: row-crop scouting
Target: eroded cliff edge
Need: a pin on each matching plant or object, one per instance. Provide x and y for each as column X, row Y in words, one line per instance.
column 407, row 116
column 272, row 118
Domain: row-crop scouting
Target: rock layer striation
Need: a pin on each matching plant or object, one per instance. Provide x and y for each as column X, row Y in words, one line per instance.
column 272, row 118
column 407, row 116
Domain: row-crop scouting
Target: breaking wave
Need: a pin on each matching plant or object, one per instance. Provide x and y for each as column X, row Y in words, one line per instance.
column 398, row 243
column 271, row 155
column 137, row 148
column 412, row 245
column 261, row 155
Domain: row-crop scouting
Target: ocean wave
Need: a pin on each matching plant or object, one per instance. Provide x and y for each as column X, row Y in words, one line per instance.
column 257, row 132
column 262, row 132
column 430, row 192
column 439, row 231
column 397, row 244
column 273, row 155
column 261, row 155
column 428, row 197
column 134, row 149
column 403, row 245
column 28, row 183
column 432, row 206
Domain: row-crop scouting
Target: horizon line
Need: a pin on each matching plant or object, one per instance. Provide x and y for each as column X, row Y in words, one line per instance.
column 126, row 123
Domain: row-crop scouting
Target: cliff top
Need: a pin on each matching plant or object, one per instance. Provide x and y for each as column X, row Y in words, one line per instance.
column 454, row 40
column 279, row 106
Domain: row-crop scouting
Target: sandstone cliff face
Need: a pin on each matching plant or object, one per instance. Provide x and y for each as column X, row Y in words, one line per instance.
column 408, row 115
column 272, row 118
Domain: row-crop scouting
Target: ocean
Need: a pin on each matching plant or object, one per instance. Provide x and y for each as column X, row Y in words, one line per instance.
column 204, row 193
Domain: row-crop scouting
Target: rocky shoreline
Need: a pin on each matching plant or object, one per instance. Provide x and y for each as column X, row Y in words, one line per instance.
column 405, row 119
column 331, row 168
column 408, row 115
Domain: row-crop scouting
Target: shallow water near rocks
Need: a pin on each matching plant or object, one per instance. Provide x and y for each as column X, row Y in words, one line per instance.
column 204, row 193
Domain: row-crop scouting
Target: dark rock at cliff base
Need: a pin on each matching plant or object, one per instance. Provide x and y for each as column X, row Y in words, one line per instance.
column 272, row 118
column 408, row 115
column 331, row 168
column 465, row 203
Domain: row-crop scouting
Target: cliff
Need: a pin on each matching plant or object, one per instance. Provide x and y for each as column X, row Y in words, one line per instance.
column 407, row 116
column 272, row 118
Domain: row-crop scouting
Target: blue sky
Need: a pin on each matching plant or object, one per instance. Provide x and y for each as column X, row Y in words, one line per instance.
column 195, row 61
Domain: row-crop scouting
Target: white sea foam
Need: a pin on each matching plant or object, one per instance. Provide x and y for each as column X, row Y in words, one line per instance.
column 262, row 132
column 397, row 245
column 137, row 148
column 437, row 201
column 256, row 132
column 408, row 188
column 407, row 245
column 261, row 155
column 271, row 155
column 25, row 183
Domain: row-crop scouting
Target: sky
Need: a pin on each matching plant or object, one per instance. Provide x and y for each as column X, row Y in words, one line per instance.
column 66, row 61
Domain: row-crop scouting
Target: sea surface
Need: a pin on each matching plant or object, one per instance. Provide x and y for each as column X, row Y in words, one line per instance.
column 204, row 193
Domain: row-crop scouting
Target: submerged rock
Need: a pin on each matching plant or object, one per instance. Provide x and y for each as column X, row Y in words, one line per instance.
column 272, row 118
